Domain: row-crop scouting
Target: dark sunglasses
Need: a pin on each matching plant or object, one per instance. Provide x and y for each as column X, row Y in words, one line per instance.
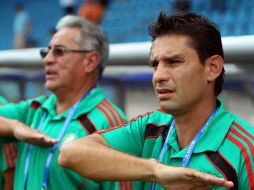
column 60, row 51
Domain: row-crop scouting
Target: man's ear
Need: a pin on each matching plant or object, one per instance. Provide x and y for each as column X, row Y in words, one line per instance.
column 91, row 61
column 214, row 66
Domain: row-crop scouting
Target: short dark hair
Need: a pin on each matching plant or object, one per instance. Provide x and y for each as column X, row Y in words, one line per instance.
column 204, row 36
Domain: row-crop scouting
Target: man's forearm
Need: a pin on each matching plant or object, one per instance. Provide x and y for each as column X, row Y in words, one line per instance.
column 92, row 158
column 7, row 126
column 20, row 131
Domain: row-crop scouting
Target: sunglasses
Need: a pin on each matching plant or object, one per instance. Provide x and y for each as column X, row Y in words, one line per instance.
column 60, row 51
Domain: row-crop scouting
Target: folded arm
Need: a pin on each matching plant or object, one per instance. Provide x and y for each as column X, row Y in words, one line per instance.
column 91, row 157
column 20, row 131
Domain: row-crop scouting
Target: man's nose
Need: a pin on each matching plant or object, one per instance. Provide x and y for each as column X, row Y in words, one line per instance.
column 161, row 73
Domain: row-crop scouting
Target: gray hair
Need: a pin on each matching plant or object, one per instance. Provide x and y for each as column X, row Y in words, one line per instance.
column 91, row 37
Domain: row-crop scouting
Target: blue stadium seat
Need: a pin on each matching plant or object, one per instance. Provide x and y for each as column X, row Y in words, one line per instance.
column 127, row 21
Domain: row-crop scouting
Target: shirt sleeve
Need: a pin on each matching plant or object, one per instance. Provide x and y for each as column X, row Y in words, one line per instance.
column 8, row 156
column 18, row 112
column 128, row 138
column 3, row 100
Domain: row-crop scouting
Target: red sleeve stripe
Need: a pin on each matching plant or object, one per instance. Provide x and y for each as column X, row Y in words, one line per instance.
column 111, row 123
column 111, row 112
column 15, row 152
column 139, row 116
column 243, row 130
column 11, row 155
column 122, row 125
column 5, row 148
column 108, row 129
column 118, row 114
column 246, row 158
column 244, row 139
column 130, row 185
column 125, row 185
column 14, row 149
column 120, row 185
column 81, row 184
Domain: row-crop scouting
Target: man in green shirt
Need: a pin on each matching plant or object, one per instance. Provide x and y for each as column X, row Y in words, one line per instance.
column 192, row 128
column 8, row 158
column 73, row 62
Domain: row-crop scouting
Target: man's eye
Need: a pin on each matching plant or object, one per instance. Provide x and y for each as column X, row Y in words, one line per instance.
column 154, row 64
column 173, row 62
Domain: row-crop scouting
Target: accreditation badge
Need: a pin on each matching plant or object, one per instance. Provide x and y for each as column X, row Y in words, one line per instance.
column 67, row 139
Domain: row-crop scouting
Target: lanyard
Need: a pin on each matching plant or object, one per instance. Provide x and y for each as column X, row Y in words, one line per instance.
column 29, row 151
column 55, row 146
column 191, row 146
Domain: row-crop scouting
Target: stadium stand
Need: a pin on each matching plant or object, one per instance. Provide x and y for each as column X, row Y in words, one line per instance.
column 127, row 20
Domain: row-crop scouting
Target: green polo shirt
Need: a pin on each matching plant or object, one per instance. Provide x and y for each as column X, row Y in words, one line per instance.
column 226, row 148
column 93, row 113
column 8, row 152
column 3, row 100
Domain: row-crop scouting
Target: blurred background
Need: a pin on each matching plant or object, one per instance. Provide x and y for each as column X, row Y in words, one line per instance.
column 124, row 22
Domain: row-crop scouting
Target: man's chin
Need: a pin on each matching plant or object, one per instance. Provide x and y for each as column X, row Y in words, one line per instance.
column 167, row 108
column 50, row 86
column 164, row 108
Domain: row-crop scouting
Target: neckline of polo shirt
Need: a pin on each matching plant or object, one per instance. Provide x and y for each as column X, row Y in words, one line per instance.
column 213, row 136
column 91, row 101
column 173, row 142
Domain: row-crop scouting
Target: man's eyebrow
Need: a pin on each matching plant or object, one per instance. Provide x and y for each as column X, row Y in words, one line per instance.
column 59, row 45
column 173, row 57
column 165, row 58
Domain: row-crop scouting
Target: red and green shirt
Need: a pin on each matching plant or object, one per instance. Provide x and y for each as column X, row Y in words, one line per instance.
column 226, row 149
column 94, row 112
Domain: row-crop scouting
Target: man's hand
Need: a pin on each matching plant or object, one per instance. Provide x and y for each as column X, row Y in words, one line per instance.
column 172, row 178
column 32, row 136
